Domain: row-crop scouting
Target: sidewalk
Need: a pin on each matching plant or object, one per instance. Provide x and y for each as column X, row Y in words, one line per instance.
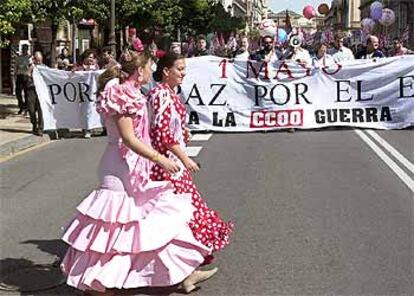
column 15, row 130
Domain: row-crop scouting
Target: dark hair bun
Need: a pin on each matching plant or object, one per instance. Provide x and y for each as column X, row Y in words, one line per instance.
column 157, row 74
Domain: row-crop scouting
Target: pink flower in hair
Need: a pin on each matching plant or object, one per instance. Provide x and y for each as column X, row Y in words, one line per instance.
column 137, row 44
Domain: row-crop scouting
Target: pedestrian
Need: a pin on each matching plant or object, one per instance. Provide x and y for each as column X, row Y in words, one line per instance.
column 175, row 47
column 267, row 53
column 372, row 50
column 339, row 52
column 64, row 60
column 399, row 49
column 242, row 51
column 131, row 232
column 169, row 136
column 298, row 53
column 23, row 64
column 88, row 63
column 321, row 59
column 201, row 47
column 33, row 104
column 108, row 59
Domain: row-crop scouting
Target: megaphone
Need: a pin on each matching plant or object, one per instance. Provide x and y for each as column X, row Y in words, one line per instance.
column 295, row 41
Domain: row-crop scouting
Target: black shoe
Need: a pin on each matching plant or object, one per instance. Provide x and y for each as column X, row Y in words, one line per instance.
column 20, row 111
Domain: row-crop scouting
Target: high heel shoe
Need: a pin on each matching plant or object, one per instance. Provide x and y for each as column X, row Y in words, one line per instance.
column 198, row 276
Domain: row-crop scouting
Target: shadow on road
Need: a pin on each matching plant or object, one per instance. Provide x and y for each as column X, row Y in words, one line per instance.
column 28, row 278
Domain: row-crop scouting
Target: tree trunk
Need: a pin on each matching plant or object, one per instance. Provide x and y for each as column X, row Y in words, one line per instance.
column 53, row 54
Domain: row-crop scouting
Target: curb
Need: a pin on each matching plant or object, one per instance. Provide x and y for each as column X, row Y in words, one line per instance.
column 12, row 147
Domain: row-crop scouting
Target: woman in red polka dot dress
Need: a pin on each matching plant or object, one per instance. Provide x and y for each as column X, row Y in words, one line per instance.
column 169, row 136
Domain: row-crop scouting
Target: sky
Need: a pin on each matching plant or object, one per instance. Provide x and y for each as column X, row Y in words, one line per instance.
column 295, row 5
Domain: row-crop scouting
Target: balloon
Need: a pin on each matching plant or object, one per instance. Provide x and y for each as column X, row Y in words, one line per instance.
column 376, row 5
column 323, row 8
column 388, row 17
column 309, row 12
column 367, row 25
column 267, row 27
column 376, row 13
column 281, row 35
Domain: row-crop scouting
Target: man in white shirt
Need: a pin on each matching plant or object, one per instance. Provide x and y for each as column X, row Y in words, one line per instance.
column 340, row 53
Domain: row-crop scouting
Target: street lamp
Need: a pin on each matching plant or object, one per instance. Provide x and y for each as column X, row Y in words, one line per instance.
column 112, row 39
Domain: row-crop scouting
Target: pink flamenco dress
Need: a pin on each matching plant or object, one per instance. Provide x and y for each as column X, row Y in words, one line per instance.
column 168, row 129
column 131, row 231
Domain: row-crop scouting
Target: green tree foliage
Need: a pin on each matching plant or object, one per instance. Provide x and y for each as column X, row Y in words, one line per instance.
column 11, row 13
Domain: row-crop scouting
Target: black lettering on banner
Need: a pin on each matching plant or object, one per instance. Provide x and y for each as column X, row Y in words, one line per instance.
column 196, row 95
column 230, row 119
column 258, row 95
column 193, row 118
column 339, row 90
column 216, row 120
column 343, row 115
column 402, row 86
column 222, row 87
column 85, row 92
column 332, row 115
column 352, row 115
column 357, row 115
column 385, row 114
column 287, row 94
column 65, row 92
column 53, row 93
column 320, row 116
column 359, row 93
column 302, row 94
column 371, row 114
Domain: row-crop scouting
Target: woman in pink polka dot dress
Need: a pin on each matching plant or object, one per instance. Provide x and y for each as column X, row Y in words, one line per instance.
column 169, row 136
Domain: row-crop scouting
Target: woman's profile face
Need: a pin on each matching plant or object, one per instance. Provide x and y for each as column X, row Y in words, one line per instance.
column 147, row 72
column 176, row 73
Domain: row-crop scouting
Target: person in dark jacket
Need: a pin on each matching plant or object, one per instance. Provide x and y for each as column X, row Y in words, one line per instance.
column 372, row 50
column 201, row 47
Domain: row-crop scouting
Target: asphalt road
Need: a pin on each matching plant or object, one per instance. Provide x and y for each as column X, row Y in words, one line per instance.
column 316, row 212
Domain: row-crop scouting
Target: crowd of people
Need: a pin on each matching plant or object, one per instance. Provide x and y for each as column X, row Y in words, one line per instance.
column 266, row 49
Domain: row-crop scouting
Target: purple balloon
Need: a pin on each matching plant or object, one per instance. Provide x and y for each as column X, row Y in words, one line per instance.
column 376, row 13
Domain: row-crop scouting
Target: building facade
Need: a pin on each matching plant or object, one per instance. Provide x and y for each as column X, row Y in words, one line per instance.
column 253, row 11
column 297, row 20
column 344, row 15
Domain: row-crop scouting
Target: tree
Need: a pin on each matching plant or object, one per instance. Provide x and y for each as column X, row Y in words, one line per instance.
column 11, row 13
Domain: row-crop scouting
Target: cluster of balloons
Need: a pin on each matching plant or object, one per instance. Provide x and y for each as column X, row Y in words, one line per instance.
column 384, row 16
column 268, row 27
column 309, row 12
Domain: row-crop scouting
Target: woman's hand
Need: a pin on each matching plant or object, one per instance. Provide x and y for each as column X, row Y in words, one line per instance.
column 168, row 165
column 187, row 135
column 191, row 165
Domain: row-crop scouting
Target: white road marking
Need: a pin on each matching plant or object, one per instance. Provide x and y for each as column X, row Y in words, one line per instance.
column 193, row 151
column 401, row 158
column 393, row 166
column 201, row 137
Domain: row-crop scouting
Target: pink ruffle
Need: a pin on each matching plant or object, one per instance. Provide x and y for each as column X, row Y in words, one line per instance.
column 166, row 266
column 121, row 99
column 116, row 206
column 105, row 225
column 117, row 243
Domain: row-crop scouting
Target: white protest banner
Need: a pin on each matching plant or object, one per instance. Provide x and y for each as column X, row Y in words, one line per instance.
column 67, row 99
column 250, row 96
